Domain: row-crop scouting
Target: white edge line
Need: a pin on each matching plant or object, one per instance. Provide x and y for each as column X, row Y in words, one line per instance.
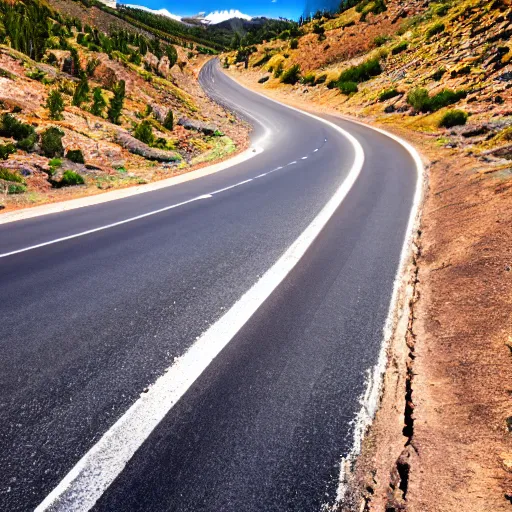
column 375, row 376
column 97, row 469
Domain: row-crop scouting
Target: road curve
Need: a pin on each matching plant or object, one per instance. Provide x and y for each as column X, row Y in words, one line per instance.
column 89, row 323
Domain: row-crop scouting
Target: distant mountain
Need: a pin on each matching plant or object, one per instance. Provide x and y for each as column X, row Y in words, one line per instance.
column 214, row 18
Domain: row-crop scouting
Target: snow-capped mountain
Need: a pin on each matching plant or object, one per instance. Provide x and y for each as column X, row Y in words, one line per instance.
column 213, row 18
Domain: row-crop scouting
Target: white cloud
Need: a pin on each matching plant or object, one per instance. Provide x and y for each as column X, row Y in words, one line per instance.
column 220, row 16
column 162, row 12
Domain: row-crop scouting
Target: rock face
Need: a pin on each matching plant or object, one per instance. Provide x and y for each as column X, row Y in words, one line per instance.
column 192, row 124
column 137, row 147
column 164, row 67
column 151, row 61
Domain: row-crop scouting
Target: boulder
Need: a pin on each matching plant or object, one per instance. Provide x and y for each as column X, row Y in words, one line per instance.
column 164, row 67
column 192, row 124
column 137, row 147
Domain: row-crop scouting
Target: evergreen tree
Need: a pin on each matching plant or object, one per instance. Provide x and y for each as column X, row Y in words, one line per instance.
column 75, row 66
column 116, row 103
column 81, row 92
column 98, row 102
column 55, row 104
column 172, row 55
column 169, row 120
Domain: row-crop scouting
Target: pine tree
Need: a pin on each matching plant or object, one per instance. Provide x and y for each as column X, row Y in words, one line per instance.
column 55, row 104
column 98, row 102
column 116, row 103
column 172, row 55
column 82, row 91
column 169, row 120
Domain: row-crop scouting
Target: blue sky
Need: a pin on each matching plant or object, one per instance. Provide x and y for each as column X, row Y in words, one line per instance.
column 291, row 9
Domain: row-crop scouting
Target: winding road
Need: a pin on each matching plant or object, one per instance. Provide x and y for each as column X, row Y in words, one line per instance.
column 178, row 355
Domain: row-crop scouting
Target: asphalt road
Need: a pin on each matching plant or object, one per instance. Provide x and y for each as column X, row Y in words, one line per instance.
column 88, row 323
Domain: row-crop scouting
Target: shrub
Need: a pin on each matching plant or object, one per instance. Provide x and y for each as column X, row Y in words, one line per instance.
column 321, row 79
column 7, row 175
column 263, row 60
column 116, row 103
column 51, row 142
column 279, row 70
column 318, row 29
column 437, row 75
column 36, row 74
column 144, row 132
column 263, row 79
column 16, row 188
column 169, row 120
column 387, row 94
column 442, row 10
column 28, row 143
column 75, row 155
column 294, row 44
column 437, row 28
column 55, row 104
column 11, row 127
column 362, row 72
column 6, row 150
column 98, row 102
column 91, row 66
column 71, row 178
column 453, row 118
column 419, row 99
column 308, row 79
column 380, row 40
column 347, row 87
column 291, row 75
column 446, row 97
column 399, row 48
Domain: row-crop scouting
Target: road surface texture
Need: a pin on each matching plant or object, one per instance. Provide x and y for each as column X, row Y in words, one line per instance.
column 90, row 322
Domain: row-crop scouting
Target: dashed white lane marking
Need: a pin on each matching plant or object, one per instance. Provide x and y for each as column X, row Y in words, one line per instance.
column 98, row 468
column 231, row 186
column 315, row 150
column 304, row 158
column 293, row 163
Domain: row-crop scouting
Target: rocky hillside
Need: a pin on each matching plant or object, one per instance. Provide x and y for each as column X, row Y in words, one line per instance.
column 84, row 110
column 438, row 74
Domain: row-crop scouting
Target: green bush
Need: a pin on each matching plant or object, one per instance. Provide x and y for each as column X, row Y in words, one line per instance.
column 437, row 28
column 75, row 155
column 347, row 87
column 55, row 104
column 98, row 102
column 28, row 143
column 437, row 75
column 144, row 132
column 318, row 29
column 294, row 44
column 380, row 40
column 11, row 127
column 291, row 75
column 399, row 48
column 442, row 10
column 16, row 188
column 71, row 178
column 320, row 79
column 279, row 70
column 6, row 150
column 446, row 97
column 263, row 60
column 362, row 72
column 420, row 100
column 7, row 175
column 36, row 74
column 308, row 79
column 169, row 120
column 51, row 142
column 453, row 118
column 387, row 94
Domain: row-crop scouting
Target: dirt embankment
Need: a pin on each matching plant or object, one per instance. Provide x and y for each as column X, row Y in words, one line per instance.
column 442, row 438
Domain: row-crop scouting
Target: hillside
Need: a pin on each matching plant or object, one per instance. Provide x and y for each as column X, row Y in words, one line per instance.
column 438, row 74
column 85, row 109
